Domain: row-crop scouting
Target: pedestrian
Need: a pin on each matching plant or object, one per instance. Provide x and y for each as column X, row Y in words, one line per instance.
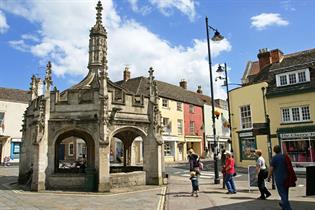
column 193, row 159
column 261, row 175
column 229, row 170
column 194, row 183
column 279, row 170
column 223, row 158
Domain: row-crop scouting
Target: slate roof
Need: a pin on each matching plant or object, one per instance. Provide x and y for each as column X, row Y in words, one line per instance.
column 14, row 95
column 291, row 62
column 139, row 85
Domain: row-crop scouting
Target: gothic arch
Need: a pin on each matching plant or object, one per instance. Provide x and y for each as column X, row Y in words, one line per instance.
column 79, row 133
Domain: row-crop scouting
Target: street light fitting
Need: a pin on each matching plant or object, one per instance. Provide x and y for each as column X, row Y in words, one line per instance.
column 217, row 36
column 220, row 69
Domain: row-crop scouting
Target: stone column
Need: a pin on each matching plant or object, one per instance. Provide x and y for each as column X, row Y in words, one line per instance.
column 39, row 167
column 104, row 168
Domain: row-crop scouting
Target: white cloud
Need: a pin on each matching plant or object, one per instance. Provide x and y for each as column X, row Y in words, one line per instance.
column 287, row 5
column 262, row 21
column 66, row 45
column 144, row 10
column 3, row 23
column 185, row 6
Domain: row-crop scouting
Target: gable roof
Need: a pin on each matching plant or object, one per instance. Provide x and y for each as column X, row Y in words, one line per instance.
column 14, row 95
column 140, row 85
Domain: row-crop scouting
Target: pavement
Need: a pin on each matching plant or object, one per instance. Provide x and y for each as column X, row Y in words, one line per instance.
column 13, row 197
column 175, row 195
column 213, row 196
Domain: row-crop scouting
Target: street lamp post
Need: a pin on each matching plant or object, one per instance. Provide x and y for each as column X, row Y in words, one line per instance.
column 217, row 37
column 226, row 81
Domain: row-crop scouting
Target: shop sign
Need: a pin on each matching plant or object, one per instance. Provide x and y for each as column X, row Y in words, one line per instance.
column 170, row 138
column 297, row 135
column 246, row 134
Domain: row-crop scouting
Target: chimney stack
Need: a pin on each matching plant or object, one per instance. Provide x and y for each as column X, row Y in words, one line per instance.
column 183, row 84
column 126, row 74
column 276, row 56
column 264, row 58
column 199, row 90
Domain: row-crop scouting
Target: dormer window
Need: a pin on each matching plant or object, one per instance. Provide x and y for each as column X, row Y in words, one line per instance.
column 293, row 77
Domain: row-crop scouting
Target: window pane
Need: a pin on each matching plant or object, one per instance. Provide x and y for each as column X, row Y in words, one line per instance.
column 180, row 126
column 305, row 113
column 302, row 76
column 165, row 103
column 246, row 121
column 295, row 114
column 283, row 80
column 179, row 106
column 285, row 115
column 191, row 108
column 192, row 127
column 292, row 78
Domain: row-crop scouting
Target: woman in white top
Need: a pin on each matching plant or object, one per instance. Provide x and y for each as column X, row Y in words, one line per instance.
column 261, row 175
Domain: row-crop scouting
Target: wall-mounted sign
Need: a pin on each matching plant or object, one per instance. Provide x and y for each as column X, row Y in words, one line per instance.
column 246, row 134
column 297, row 135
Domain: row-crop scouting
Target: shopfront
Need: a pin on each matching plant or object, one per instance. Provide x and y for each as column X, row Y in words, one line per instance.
column 299, row 143
column 222, row 144
column 248, row 145
column 170, row 147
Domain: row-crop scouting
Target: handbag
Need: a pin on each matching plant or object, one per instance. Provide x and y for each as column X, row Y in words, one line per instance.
column 234, row 174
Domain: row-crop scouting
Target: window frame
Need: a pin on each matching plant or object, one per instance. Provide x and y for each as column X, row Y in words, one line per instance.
column 69, row 149
column 179, row 106
column 192, row 127
column 298, row 78
column 249, row 118
column 252, row 149
column 301, row 114
column 180, row 126
column 166, row 104
column 191, row 108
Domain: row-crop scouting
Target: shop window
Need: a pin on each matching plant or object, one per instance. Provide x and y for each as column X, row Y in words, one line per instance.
column 247, row 148
column 180, row 127
column 299, row 150
column 15, row 152
column 246, row 118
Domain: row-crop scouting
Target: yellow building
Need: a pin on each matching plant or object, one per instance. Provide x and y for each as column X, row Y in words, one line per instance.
column 291, row 106
column 280, row 88
column 173, row 131
column 247, row 109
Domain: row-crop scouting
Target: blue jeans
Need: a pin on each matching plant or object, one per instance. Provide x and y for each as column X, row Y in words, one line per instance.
column 229, row 182
column 284, row 194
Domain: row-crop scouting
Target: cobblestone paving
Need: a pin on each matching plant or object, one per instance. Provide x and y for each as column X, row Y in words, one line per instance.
column 12, row 198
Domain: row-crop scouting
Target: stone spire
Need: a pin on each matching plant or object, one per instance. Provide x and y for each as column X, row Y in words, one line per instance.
column 48, row 80
column 98, row 43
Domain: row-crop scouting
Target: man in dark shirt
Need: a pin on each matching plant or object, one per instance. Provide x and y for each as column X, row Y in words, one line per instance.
column 279, row 170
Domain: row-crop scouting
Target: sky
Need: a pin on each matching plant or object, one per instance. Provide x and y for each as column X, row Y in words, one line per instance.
column 168, row 35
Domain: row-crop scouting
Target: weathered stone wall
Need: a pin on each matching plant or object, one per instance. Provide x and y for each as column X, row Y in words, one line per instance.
column 127, row 179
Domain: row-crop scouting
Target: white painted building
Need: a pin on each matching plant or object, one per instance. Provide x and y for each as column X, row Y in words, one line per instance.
column 13, row 103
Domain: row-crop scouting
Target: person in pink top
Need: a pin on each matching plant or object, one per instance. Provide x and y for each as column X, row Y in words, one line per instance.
column 230, row 170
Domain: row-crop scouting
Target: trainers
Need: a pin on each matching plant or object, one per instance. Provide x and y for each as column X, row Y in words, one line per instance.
column 268, row 195
column 229, row 192
column 261, row 198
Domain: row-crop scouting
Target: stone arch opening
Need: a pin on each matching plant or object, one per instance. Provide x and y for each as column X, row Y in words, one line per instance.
column 74, row 151
column 127, row 142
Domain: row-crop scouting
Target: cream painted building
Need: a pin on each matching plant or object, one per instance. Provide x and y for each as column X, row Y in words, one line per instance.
column 247, row 108
column 222, row 128
column 13, row 103
column 281, row 87
column 173, row 129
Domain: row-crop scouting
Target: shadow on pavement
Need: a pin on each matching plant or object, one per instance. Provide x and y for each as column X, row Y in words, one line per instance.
column 9, row 183
column 179, row 194
column 263, row 204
